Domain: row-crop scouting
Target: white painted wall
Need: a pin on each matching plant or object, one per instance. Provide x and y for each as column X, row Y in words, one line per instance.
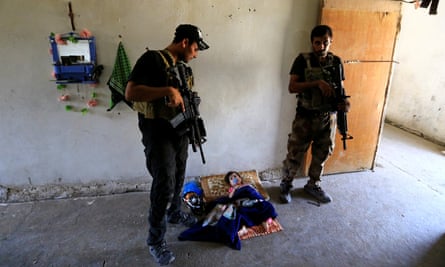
column 242, row 80
column 417, row 98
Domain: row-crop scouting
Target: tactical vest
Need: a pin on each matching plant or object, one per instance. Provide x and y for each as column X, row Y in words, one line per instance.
column 158, row 108
column 312, row 98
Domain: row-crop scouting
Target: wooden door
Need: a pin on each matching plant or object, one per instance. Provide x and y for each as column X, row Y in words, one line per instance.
column 362, row 30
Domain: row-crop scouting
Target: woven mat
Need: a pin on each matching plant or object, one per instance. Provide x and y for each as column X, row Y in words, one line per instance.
column 259, row 230
column 214, row 186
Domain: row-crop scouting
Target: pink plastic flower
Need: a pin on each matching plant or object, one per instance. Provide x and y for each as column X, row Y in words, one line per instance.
column 59, row 40
column 64, row 98
column 85, row 33
column 92, row 103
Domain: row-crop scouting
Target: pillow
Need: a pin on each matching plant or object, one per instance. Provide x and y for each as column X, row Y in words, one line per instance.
column 214, row 186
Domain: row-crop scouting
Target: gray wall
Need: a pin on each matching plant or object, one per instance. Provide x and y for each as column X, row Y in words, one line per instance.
column 417, row 98
column 242, row 80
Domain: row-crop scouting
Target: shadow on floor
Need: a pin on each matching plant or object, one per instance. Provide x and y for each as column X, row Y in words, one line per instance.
column 436, row 255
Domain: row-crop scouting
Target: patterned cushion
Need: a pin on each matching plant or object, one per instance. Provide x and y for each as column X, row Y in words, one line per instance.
column 214, row 186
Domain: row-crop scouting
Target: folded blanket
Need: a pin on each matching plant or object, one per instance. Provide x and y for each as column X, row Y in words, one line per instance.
column 228, row 217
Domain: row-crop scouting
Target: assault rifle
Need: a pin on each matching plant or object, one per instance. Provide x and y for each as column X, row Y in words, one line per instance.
column 336, row 80
column 190, row 119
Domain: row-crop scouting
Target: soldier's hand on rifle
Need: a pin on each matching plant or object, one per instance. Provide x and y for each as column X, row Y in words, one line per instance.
column 326, row 88
column 344, row 105
column 175, row 99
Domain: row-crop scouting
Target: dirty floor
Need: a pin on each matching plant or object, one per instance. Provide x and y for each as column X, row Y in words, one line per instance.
column 392, row 216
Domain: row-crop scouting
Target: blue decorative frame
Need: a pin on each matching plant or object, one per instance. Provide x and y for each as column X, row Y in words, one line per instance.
column 72, row 72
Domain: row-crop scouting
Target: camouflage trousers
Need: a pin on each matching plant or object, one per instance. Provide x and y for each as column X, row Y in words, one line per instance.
column 317, row 131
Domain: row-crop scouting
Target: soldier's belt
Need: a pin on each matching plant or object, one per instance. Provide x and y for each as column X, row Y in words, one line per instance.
column 312, row 112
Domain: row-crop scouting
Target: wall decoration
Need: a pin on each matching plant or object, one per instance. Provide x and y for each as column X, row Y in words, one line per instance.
column 75, row 63
column 74, row 57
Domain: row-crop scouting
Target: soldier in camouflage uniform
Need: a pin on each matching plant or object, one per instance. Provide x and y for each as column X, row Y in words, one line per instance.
column 157, row 101
column 315, row 120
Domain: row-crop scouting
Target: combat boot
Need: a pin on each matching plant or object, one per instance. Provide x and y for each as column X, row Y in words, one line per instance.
column 318, row 193
column 285, row 196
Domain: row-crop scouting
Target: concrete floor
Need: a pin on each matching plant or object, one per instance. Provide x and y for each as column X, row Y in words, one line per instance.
column 392, row 216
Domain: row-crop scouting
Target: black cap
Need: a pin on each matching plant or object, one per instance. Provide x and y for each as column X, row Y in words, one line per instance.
column 193, row 33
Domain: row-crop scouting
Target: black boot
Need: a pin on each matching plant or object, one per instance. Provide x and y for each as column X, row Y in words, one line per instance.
column 285, row 196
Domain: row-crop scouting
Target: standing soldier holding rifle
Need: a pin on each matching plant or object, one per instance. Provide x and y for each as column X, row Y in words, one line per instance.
column 157, row 98
column 317, row 80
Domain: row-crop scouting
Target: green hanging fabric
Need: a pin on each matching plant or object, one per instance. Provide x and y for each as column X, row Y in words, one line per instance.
column 119, row 77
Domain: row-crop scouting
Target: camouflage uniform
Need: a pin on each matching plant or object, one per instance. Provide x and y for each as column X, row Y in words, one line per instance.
column 318, row 129
column 314, row 123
